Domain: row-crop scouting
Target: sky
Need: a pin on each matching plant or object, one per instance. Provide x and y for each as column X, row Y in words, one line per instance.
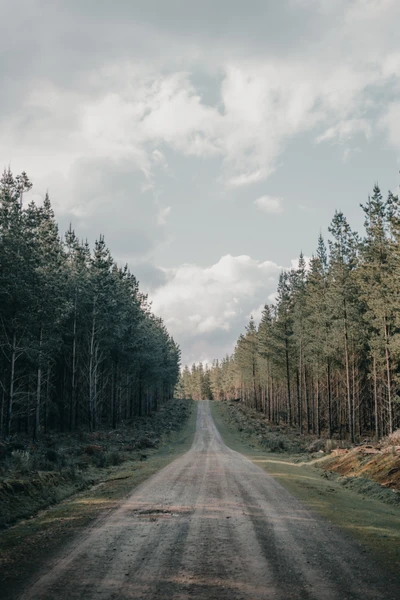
column 210, row 142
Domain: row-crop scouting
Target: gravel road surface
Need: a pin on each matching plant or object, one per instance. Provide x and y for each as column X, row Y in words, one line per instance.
column 212, row 525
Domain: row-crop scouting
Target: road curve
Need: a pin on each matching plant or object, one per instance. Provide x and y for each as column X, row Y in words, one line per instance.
column 212, row 525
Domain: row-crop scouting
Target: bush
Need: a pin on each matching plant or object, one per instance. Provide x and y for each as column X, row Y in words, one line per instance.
column 100, row 460
column 92, row 449
column 317, row 446
column 21, row 461
column 394, row 438
column 114, row 458
column 146, row 442
column 273, row 443
column 52, row 455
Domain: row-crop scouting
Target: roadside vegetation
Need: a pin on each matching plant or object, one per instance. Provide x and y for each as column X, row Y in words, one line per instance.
column 153, row 443
column 35, row 476
column 87, row 371
column 365, row 505
column 373, row 469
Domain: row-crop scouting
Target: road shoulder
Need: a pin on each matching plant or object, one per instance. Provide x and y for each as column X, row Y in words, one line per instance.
column 26, row 547
column 373, row 523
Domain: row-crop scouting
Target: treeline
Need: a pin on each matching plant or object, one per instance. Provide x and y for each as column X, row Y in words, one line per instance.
column 326, row 356
column 79, row 344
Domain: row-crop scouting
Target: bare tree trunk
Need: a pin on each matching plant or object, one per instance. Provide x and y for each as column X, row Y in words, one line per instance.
column 289, row 404
column 113, row 412
column 46, row 400
column 354, row 396
column 95, row 385
column 36, row 425
column 91, row 365
column 271, row 394
column 3, row 400
column 306, row 400
column 376, row 401
column 72, row 408
column 299, row 402
column 12, row 384
column 254, row 384
column 329, row 394
column 347, row 366
column 389, row 381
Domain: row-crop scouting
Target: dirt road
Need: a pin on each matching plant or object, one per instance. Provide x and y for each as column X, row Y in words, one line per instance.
column 212, row 525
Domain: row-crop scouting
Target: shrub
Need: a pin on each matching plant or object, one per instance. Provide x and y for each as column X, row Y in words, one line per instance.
column 92, row 449
column 146, row 442
column 114, row 458
column 21, row 461
column 394, row 438
column 273, row 443
column 100, row 460
column 52, row 455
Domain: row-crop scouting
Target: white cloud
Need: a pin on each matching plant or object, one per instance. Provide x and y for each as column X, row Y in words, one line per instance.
column 263, row 103
column 348, row 152
column 198, row 299
column 210, row 305
column 206, row 308
column 304, row 208
column 264, row 96
column 163, row 214
column 269, row 204
column 346, row 130
column 390, row 122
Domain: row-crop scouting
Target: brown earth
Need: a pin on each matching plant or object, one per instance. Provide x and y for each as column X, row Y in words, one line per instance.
column 212, row 525
column 378, row 464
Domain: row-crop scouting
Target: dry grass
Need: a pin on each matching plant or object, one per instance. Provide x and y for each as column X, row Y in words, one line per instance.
column 393, row 439
column 381, row 465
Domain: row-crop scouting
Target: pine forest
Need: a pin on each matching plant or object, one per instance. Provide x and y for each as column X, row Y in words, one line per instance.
column 80, row 346
column 325, row 356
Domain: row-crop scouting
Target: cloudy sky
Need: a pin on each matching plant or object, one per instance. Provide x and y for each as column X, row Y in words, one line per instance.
column 210, row 141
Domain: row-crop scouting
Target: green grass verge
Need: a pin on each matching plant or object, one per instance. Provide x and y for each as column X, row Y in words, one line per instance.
column 372, row 522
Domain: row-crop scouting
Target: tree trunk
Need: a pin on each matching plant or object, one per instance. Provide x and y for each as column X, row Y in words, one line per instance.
column 354, row 396
column 12, row 384
column 91, row 365
column 46, row 400
column 72, row 407
column 36, row 425
column 289, row 405
column 388, row 376
column 306, row 400
column 376, row 401
column 329, row 394
column 299, row 402
column 347, row 366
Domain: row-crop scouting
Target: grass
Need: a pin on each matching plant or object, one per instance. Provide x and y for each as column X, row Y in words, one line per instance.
column 35, row 476
column 25, row 547
column 372, row 522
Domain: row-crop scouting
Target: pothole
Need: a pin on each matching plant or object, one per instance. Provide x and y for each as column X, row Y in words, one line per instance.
column 153, row 513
